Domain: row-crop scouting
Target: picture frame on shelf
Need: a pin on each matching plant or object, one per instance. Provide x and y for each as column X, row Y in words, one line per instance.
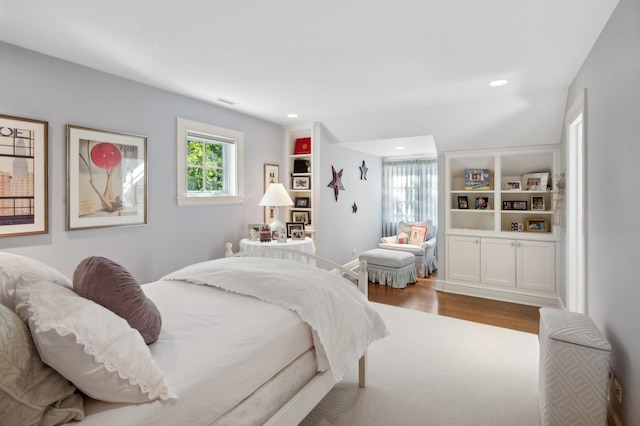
column 513, row 185
column 520, row 205
column 300, row 216
column 106, row 178
column 537, row 202
column 537, row 225
column 271, row 175
column 297, row 234
column 507, row 205
column 302, row 146
column 302, row 202
column 300, row 183
column 482, row 203
column 280, row 234
column 476, row 179
column 24, row 147
column 463, row 202
column 254, row 231
column 535, row 181
column 295, row 226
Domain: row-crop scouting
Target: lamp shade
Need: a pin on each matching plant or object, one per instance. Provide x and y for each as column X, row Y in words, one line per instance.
column 276, row 196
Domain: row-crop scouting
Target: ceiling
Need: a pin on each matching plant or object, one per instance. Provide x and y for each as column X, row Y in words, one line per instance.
column 328, row 60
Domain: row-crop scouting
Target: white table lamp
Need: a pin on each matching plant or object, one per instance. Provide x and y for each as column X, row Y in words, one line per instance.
column 276, row 196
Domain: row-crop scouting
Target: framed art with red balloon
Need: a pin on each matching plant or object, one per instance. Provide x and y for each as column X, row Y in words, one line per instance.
column 23, row 176
column 106, row 178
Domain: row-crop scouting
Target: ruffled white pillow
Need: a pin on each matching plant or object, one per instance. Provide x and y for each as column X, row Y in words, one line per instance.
column 14, row 267
column 88, row 344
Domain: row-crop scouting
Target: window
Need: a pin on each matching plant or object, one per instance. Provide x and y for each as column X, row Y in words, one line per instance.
column 209, row 164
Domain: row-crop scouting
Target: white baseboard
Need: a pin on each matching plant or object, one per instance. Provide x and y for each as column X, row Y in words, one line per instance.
column 550, row 301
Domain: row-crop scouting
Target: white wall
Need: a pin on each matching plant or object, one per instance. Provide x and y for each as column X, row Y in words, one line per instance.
column 43, row 88
column 611, row 75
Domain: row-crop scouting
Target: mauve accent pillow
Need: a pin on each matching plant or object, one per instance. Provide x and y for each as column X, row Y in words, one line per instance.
column 112, row 286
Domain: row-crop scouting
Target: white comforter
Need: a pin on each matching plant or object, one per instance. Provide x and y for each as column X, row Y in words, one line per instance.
column 342, row 320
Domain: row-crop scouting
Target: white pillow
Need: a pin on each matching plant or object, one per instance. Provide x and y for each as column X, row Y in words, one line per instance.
column 14, row 267
column 91, row 346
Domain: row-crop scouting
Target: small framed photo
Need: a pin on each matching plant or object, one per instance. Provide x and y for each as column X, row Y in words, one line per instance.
column 535, row 181
column 513, row 185
column 23, row 175
column 254, row 231
column 106, row 178
column 302, row 202
column 507, row 205
column 482, row 203
column 300, row 182
column 537, row 203
column 537, row 225
column 293, row 228
column 520, row 205
column 463, row 202
column 271, row 175
column 300, row 216
column 280, row 234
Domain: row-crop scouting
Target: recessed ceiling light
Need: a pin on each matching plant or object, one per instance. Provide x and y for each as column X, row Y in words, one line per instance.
column 497, row 83
column 292, row 115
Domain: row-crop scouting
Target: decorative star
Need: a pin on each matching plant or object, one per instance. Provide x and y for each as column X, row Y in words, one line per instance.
column 363, row 171
column 354, row 208
column 336, row 183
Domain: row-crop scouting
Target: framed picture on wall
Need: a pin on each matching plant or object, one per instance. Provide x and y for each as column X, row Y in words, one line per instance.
column 271, row 175
column 106, row 178
column 23, row 176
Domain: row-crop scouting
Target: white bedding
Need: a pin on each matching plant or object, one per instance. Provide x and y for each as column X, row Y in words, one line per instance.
column 320, row 298
column 217, row 347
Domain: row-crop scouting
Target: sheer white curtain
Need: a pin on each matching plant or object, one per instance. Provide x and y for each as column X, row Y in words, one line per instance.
column 409, row 192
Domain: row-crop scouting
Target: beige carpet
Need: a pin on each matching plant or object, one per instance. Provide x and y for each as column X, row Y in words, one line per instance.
column 435, row 370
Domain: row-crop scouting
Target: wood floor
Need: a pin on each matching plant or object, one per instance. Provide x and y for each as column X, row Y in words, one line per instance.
column 422, row 296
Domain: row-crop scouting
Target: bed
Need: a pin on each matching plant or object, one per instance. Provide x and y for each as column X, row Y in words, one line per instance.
column 221, row 355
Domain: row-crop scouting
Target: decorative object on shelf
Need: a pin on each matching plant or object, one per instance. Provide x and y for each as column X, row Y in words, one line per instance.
column 294, row 226
column 254, row 231
column 476, row 179
column 302, row 202
column 535, row 181
column 517, row 227
column 507, row 205
column 482, row 203
column 300, row 216
column 520, row 205
column 297, row 234
column 463, row 202
column 280, row 234
column 276, row 196
column 537, row 202
column 336, row 182
column 513, row 185
column 25, row 145
column 271, row 175
column 302, row 146
column 558, row 191
column 107, row 179
column 301, row 166
column 300, row 183
column 363, row 171
column 354, row 208
column 265, row 235
column 537, row 225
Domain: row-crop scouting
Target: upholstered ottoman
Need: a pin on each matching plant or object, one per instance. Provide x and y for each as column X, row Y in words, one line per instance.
column 574, row 369
column 390, row 267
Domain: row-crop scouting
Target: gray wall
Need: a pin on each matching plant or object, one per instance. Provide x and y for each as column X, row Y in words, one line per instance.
column 611, row 75
column 40, row 87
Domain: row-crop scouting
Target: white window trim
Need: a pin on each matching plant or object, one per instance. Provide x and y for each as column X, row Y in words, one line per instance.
column 183, row 198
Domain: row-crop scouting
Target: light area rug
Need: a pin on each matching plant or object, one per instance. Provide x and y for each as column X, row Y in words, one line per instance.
column 436, row 370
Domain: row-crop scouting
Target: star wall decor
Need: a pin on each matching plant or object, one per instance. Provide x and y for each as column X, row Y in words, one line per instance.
column 354, row 208
column 336, row 183
column 363, row 171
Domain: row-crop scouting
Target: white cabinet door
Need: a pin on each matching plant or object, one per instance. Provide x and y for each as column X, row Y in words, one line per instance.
column 463, row 258
column 498, row 262
column 536, row 265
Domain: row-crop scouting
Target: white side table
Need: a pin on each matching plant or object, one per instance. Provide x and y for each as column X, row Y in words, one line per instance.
column 306, row 245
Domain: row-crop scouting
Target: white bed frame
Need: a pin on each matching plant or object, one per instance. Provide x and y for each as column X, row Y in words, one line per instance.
column 301, row 404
